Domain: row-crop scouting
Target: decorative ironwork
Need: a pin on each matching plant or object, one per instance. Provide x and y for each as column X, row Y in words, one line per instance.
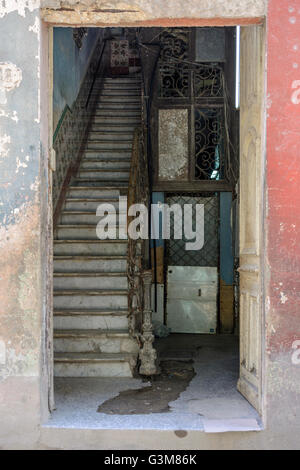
column 209, row 143
column 78, row 35
column 119, row 55
column 139, row 282
column 175, row 43
column 174, row 75
column 176, row 253
column 71, row 129
column 208, row 81
column 174, row 81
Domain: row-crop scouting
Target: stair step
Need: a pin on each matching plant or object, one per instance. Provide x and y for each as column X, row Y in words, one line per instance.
column 88, row 218
column 87, row 263
column 107, row 174
column 116, row 118
column 116, row 93
column 83, row 192
column 118, row 85
column 123, row 107
column 115, row 128
column 108, row 114
column 125, row 145
column 94, row 364
column 120, row 98
column 90, row 319
column 79, row 298
column 100, row 184
column 93, row 340
column 86, row 232
column 122, row 80
column 107, row 153
column 90, row 247
column 111, row 135
column 88, row 204
column 77, row 281
column 107, row 165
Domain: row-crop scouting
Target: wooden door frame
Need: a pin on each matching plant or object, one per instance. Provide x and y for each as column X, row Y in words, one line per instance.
column 49, row 24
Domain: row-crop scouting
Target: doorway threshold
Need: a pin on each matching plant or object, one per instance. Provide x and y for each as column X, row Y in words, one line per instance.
column 210, row 403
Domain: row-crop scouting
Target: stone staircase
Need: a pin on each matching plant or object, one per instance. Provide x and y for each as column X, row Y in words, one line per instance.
column 91, row 336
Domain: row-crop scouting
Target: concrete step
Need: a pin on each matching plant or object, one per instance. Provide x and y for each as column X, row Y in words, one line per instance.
column 88, row 204
column 109, row 174
column 109, row 144
column 123, row 106
column 86, row 232
column 120, row 98
column 108, row 164
column 90, row 299
column 90, row 247
column 111, row 135
column 94, row 365
column 99, row 184
column 118, row 87
column 73, row 281
column 103, row 263
column 109, row 113
column 123, row 92
column 107, row 154
column 84, row 192
column 90, row 319
column 97, row 341
column 106, row 126
column 89, row 218
column 129, row 79
column 116, row 118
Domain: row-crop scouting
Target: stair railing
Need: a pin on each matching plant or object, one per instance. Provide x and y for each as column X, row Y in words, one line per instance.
column 138, row 272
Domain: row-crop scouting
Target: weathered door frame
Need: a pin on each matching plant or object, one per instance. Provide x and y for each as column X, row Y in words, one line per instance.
column 251, row 388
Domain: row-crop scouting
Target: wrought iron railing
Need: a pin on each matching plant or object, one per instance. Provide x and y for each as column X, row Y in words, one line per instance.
column 71, row 133
column 138, row 269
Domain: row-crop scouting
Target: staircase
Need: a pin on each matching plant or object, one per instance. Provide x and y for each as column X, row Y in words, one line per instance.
column 91, row 336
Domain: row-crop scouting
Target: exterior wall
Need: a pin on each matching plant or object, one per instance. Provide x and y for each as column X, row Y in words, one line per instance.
column 154, row 13
column 282, row 217
column 23, row 222
column 23, row 235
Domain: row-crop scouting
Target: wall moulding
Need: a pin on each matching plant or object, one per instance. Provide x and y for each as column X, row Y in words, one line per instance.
column 154, row 13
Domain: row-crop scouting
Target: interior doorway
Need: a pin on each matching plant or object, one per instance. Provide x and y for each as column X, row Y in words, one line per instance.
column 193, row 283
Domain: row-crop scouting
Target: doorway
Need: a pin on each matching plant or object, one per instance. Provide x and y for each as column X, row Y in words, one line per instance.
column 251, row 180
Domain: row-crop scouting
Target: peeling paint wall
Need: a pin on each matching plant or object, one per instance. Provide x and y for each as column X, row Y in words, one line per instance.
column 21, row 231
column 24, row 232
column 115, row 12
column 282, row 211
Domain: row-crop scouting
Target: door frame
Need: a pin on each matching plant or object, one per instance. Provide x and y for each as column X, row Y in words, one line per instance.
column 55, row 20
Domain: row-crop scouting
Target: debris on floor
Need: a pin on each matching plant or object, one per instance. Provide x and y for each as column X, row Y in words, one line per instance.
column 160, row 330
column 174, row 378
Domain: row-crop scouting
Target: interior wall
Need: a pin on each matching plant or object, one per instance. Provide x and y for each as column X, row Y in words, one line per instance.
column 226, row 264
column 69, row 66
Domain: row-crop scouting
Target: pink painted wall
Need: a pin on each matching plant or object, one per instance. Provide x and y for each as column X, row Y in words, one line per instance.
column 283, row 173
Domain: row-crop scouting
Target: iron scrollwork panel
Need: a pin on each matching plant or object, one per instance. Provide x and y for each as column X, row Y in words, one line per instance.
column 208, row 81
column 174, row 74
column 209, row 143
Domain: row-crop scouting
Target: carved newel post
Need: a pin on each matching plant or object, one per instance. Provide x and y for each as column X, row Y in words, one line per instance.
column 148, row 354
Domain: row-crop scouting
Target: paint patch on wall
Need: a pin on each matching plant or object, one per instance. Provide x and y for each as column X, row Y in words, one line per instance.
column 20, row 6
column 10, row 78
column 4, row 145
column 173, row 144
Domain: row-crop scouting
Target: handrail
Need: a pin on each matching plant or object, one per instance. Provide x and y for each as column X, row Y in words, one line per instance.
column 96, row 72
column 139, row 277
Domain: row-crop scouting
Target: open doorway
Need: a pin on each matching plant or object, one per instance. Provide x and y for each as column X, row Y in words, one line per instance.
column 181, row 84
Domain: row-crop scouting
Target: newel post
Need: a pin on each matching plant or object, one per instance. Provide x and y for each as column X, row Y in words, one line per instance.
column 148, row 354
